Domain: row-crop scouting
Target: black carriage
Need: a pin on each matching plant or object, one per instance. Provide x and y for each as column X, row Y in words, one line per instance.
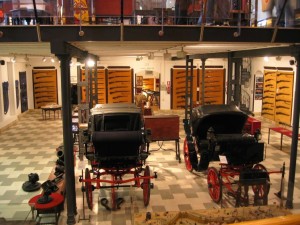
column 117, row 148
column 216, row 133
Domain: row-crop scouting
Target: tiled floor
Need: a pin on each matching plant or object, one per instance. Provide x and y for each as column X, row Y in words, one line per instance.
column 29, row 147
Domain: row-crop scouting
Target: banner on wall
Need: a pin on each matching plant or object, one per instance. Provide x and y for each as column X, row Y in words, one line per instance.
column 81, row 12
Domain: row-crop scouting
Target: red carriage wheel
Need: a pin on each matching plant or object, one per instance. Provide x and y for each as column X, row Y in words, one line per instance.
column 186, row 155
column 146, row 186
column 214, row 184
column 260, row 188
column 89, row 189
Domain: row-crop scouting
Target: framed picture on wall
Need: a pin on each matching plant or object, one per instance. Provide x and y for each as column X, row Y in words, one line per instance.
column 139, row 81
column 258, row 91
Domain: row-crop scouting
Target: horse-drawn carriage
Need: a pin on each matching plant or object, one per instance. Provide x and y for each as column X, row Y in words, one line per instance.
column 116, row 147
column 216, row 133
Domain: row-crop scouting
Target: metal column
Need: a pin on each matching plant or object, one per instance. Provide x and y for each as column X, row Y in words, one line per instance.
column 188, row 88
column 293, row 156
column 67, row 137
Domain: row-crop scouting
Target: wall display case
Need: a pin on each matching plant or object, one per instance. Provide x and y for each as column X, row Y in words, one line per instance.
column 178, row 83
column 284, row 97
column 278, row 96
column 269, row 93
column 119, row 85
column 44, row 87
column 101, row 86
column 114, row 85
column 214, row 86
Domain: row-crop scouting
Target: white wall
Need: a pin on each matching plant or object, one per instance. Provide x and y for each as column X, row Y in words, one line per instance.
column 161, row 69
column 9, row 72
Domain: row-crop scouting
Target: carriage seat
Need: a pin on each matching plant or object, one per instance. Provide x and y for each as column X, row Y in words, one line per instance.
column 117, row 148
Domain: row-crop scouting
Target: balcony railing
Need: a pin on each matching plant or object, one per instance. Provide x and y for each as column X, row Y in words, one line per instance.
column 230, row 13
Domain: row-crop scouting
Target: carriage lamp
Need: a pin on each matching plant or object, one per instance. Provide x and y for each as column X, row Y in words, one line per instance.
column 257, row 134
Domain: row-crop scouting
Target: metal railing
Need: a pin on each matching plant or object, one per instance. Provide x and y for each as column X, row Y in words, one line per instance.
column 230, row 13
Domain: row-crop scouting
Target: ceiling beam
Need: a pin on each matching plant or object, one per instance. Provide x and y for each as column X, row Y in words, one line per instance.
column 291, row 50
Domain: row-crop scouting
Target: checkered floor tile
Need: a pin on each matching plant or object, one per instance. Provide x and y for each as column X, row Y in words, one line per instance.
column 29, row 147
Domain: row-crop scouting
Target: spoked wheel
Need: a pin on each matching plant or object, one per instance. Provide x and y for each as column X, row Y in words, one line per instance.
column 260, row 188
column 186, row 156
column 214, row 184
column 146, row 186
column 88, row 189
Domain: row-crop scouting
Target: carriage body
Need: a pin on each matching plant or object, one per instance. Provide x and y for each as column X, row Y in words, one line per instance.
column 117, row 148
column 216, row 133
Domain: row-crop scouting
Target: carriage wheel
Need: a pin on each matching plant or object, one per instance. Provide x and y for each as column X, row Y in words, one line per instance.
column 260, row 188
column 88, row 189
column 146, row 186
column 186, row 155
column 214, row 184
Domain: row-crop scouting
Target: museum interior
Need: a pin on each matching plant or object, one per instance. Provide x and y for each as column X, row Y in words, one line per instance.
column 149, row 112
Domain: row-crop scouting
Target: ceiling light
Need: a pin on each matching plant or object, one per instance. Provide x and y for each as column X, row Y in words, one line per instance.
column 52, row 60
column 44, row 59
column 13, row 59
column 181, row 54
column 90, row 63
column 266, row 59
column 139, row 58
column 151, row 56
column 167, row 56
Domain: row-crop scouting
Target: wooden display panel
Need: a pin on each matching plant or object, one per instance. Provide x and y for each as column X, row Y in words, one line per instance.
column 214, row 82
column 120, row 85
column 101, row 86
column 178, row 79
column 278, row 96
column 44, row 87
column 269, row 93
column 284, row 97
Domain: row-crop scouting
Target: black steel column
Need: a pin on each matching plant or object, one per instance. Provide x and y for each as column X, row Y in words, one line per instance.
column 293, row 156
column 229, row 77
column 122, row 11
column 67, row 137
column 203, row 81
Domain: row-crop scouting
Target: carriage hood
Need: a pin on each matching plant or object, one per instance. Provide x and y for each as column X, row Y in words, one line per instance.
column 224, row 119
